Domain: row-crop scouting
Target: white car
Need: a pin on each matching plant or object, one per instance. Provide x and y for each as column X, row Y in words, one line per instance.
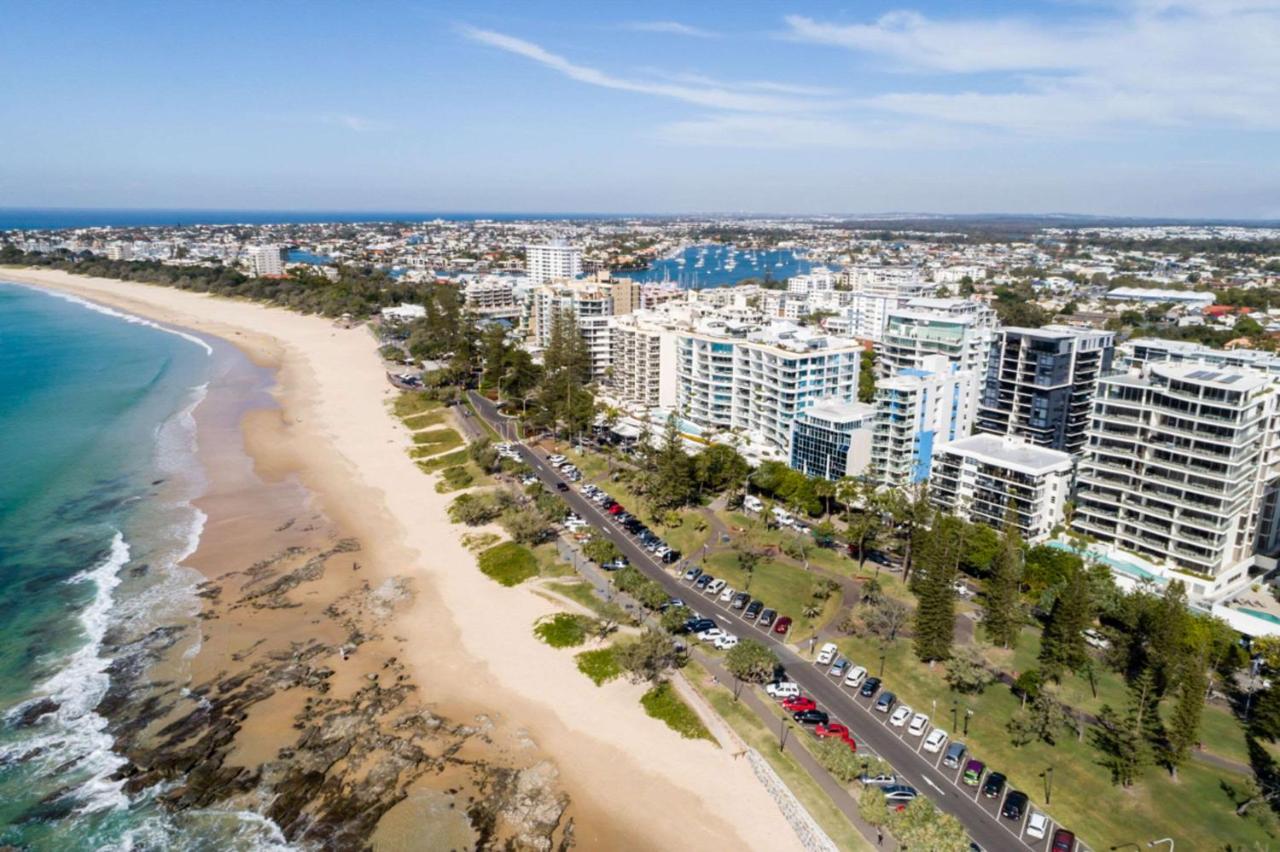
column 1037, row 825
column 935, row 741
column 856, row 676
column 752, row 503
column 556, row 460
column 827, row 654
column 919, row 722
column 726, row 641
column 727, row 593
column 714, row 587
column 711, row 634
column 900, row 716
column 783, row 689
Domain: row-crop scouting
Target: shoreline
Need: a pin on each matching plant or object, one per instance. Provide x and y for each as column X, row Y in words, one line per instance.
column 462, row 636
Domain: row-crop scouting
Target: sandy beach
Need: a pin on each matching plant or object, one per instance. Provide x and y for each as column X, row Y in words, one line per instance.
column 463, row 639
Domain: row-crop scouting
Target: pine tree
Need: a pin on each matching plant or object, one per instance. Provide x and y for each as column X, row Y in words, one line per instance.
column 673, row 482
column 1062, row 647
column 1125, row 738
column 937, row 562
column 1000, row 617
column 1184, row 724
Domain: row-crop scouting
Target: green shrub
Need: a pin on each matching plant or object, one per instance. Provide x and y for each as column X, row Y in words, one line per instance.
column 662, row 703
column 564, row 630
column 509, row 563
column 600, row 665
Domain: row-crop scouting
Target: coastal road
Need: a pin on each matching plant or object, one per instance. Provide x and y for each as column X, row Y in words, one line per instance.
column 920, row 769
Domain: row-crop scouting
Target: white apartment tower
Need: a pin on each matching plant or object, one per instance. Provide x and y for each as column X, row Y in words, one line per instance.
column 591, row 308
column 960, row 329
column 266, row 261
column 1181, row 469
column 644, row 360
column 917, row 410
column 553, row 260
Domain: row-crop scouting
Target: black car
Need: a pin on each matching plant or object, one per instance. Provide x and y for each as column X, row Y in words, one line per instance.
column 561, row 486
column 703, row 581
column 767, row 617
column 811, row 717
column 869, row 687
column 739, row 600
column 753, row 610
column 632, row 525
column 994, row 785
column 1015, row 805
column 697, row 625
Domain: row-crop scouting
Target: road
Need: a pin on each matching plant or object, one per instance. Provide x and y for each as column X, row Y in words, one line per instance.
column 921, row 770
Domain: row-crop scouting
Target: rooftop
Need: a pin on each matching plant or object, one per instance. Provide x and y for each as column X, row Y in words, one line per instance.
column 1010, row 452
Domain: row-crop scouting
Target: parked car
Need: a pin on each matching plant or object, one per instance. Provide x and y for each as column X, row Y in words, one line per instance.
column 702, row 582
column 811, row 717
column 562, row 486
column 899, row 794
column 697, row 625
column 783, row 625
column 767, row 617
column 900, row 716
column 711, row 634
column 782, row 689
column 727, row 594
column 798, row 703
column 616, row 564
column 838, row 668
column 1037, row 825
column 994, row 785
column 1015, row 805
column 973, row 772
column 740, row 600
column 727, row 641
column 869, row 687
column 935, row 741
column 753, row 610
column 556, row 459
column 856, row 675
column 1063, row 841
column 693, row 573
column 714, row 587
column 752, row 503
column 827, row 654
column 671, row 557
column 954, row 754
column 885, row 702
column 919, row 722
column 834, row 729
column 884, row 779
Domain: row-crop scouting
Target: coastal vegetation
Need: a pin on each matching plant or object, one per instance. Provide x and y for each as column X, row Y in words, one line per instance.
column 662, row 703
column 564, row 630
column 508, row 563
column 599, row 664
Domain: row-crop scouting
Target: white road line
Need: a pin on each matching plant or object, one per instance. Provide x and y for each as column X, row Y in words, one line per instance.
column 929, row 781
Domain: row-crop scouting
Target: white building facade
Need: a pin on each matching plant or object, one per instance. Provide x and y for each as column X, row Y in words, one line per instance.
column 553, row 260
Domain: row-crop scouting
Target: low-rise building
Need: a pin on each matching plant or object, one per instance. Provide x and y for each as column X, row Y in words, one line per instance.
column 833, row 439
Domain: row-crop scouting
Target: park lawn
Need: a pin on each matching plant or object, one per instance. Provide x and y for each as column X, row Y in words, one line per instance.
column 430, row 463
column 1194, row 809
column 601, row 665
column 424, row 419
column 594, row 466
column 410, row 403
column 583, row 593
column 782, row 587
column 1221, row 733
column 549, row 562
column 508, row 563
column 686, row 537
column 764, row 740
column 439, row 440
column 457, row 477
column 662, row 703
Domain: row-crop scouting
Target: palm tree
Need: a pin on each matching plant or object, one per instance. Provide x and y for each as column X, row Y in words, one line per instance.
column 910, row 510
column 824, row 490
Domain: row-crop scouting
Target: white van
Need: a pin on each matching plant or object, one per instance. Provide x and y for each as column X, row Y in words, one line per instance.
column 782, row 516
column 856, row 676
column 752, row 503
column 827, row 654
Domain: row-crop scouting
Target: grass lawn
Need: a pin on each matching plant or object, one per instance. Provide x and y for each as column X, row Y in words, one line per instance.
column 410, row 403
column 782, row 587
column 1193, row 809
column 765, row 740
column 549, row 562
column 455, row 478
column 584, row 594
column 564, row 629
column 437, row 462
column 509, row 563
column 601, row 665
column 594, row 466
column 662, row 703
column 424, row 419
column 439, row 440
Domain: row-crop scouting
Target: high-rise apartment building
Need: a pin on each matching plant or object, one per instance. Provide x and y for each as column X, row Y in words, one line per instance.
column 960, row 329
column 1181, row 469
column 917, row 410
column 553, row 260
column 266, row 261
column 1040, row 384
column 590, row 307
column 993, row 479
column 644, row 360
column 833, row 439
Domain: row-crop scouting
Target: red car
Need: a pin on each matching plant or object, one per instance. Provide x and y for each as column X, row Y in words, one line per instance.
column 616, row 509
column 799, row 704
column 832, row 729
column 782, row 625
column 1063, row 841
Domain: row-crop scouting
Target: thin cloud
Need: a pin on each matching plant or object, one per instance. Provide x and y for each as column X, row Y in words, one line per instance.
column 671, row 28
column 356, row 123
column 722, row 97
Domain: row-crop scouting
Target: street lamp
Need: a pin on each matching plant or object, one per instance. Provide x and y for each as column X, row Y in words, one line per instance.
column 968, row 714
column 882, row 659
column 1047, row 775
column 955, row 709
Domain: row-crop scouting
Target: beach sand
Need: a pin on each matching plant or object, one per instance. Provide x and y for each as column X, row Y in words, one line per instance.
column 465, row 641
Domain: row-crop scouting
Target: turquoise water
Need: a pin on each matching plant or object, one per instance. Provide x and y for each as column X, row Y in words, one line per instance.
column 1137, row 572
column 716, row 265
column 97, row 475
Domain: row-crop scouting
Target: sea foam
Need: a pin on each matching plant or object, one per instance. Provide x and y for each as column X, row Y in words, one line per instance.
column 136, row 320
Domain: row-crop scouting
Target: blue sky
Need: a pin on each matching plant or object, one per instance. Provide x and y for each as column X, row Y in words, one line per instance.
column 1132, row 107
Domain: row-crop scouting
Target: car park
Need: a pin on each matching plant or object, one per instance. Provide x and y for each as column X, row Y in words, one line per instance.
column 827, row 654
column 900, row 716
column 753, row 610
column 869, row 687
column 811, row 717
column 935, row 741
column 1015, row 805
column 767, row 617
column 885, row 702
column 919, row 723
column 994, row 785
column 1063, row 841
column 838, row 668
column 782, row 689
column 856, row 675
column 973, row 772
column 798, row 703
column 1037, row 825
column 783, row 625
column 714, row 587
column 954, row 754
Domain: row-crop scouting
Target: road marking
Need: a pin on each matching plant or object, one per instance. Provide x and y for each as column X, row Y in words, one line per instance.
column 929, row 781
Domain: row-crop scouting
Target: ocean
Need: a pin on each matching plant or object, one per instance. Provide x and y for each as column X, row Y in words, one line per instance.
column 98, row 473
column 48, row 218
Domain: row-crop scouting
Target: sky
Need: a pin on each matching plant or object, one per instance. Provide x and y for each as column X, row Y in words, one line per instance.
column 1166, row 108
